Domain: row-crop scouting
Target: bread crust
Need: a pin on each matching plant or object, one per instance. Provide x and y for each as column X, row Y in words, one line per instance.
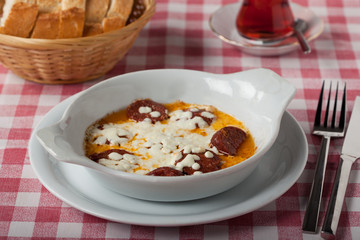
column 117, row 15
column 47, row 26
column 52, row 19
column 2, row 2
column 49, row 6
column 68, row 4
column 91, row 29
column 120, row 8
column 71, row 23
column 113, row 23
column 20, row 26
column 96, row 10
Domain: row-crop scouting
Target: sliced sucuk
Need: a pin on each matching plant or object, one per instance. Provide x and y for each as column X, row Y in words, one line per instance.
column 105, row 154
column 165, row 171
column 207, row 164
column 134, row 113
column 228, row 140
column 197, row 113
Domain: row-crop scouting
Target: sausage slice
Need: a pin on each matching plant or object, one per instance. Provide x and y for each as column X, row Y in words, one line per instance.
column 165, row 171
column 147, row 109
column 228, row 140
column 204, row 162
column 207, row 116
column 105, row 154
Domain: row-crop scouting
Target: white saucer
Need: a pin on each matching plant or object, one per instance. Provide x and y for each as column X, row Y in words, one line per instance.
column 222, row 23
column 72, row 184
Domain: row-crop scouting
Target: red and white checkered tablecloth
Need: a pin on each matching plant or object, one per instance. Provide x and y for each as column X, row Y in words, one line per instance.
column 178, row 36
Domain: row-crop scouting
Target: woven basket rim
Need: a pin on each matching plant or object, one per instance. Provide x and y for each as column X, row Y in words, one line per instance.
column 59, row 43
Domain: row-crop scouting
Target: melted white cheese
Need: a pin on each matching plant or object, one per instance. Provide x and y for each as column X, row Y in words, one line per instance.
column 207, row 114
column 112, row 133
column 155, row 114
column 184, row 119
column 209, row 154
column 120, row 162
column 188, row 161
column 157, row 144
column 145, row 109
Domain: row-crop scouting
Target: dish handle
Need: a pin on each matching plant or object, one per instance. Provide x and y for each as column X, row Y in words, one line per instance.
column 267, row 93
column 281, row 98
column 52, row 138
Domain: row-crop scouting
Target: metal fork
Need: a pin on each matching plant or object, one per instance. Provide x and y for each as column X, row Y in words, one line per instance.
column 327, row 132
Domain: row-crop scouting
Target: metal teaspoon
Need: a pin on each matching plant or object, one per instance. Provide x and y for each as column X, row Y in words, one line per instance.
column 300, row 27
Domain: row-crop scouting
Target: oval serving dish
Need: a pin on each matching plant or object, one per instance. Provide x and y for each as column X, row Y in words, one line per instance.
column 256, row 97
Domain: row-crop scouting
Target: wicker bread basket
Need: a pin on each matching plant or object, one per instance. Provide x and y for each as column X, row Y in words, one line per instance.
column 73, row 60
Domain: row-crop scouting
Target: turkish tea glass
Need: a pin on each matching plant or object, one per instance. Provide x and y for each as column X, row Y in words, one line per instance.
column 265, row 19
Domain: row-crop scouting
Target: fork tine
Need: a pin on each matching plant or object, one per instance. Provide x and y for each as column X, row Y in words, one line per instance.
column 335, row 104
column 343, row 110
column 327, row 108
column 319, row 106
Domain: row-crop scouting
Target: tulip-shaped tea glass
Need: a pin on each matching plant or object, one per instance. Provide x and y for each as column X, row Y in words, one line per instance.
column 265, row 19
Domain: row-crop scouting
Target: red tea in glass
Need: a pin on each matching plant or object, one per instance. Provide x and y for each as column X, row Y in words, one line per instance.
column 265, row 19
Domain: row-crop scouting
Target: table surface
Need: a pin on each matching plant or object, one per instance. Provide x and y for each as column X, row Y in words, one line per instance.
column 178, row 36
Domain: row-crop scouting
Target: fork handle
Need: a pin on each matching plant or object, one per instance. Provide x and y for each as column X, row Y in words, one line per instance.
column 313, row 207
column 334, row 208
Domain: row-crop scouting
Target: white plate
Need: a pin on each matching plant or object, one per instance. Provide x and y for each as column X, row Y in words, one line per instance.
column 71, row 183
column 222, row 23
column 256, row 97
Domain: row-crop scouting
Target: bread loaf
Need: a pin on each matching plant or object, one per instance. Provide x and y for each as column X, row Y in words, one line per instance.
column 94, row 14
column 120, row 8
column 2, row 2
column 47, row 26
column 96, row 10
column 117, row 15
column 71, row 23
column 52, row 19
column 48, row 20
column 48, row 6
column 18, row 17
column 68, row 4
column 91, row 29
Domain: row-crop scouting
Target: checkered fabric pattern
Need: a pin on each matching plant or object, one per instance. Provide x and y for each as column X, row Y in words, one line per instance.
column 178, row 36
